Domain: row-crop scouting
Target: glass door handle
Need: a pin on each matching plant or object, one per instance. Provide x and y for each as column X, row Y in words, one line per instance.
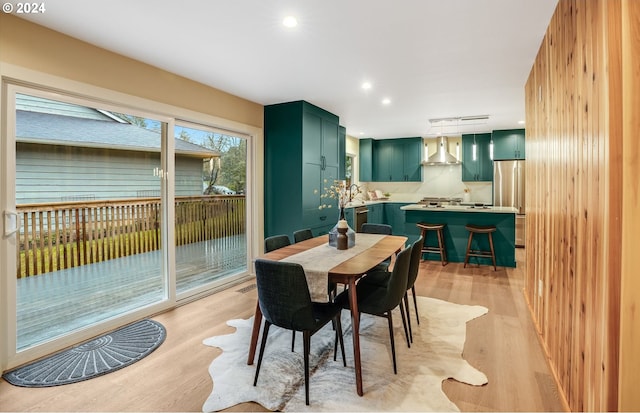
column 11, row 223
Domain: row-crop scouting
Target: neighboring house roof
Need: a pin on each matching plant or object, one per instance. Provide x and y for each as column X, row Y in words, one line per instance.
column 54, row 129
column 54, row 107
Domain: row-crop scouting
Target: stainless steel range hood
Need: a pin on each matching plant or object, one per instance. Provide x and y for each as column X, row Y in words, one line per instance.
column 442, row 155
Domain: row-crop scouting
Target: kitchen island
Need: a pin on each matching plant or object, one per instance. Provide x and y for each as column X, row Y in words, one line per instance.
column 456, row 236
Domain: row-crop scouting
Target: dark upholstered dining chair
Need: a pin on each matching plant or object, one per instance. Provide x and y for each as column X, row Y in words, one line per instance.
column 370, row 228
column 414, row 266
column 381, row 300
column 275, row 242
column 302, row 234
column 382, row 229
column 380, row 278
column 285, row 301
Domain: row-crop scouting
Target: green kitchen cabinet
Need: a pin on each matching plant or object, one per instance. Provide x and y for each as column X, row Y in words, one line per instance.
column 395, row 217
column 303, row 155
column 508, row 144
column 342, row 149
column 480, row 166
column 382, row 160
column 349, row 215
column 375, row 214
column 366, row 160
column 397, row 160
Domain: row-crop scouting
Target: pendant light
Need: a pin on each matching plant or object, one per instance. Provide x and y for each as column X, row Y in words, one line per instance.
column 474, row 148
column 491, row 147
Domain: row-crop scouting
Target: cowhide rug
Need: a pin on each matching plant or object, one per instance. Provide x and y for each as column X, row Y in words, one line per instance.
column 435, row 355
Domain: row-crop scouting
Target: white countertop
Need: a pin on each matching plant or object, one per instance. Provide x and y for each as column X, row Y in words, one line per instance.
column 459, row 208
column 361, row 203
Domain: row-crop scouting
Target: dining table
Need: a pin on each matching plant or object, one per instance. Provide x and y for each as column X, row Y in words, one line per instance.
column 341, row 268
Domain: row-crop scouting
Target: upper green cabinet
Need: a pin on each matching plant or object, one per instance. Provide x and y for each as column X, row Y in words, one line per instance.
column 478, row 166
column 303, row 155
column 508, row 144
column 391, row 160
column 366, row 160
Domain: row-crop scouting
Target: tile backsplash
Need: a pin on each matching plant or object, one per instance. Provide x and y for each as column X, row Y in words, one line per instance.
column 437, row 181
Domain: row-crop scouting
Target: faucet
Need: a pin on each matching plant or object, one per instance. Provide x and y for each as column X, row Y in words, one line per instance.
column 351, row 195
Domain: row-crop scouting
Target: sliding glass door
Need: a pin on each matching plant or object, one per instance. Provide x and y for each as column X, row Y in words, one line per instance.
column 111, row 214
column 210, row 207
column 89, row 228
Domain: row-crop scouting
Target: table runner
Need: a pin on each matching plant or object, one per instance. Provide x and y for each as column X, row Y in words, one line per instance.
column 319, row 260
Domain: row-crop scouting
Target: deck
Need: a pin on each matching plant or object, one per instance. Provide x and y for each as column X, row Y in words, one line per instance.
column 61, row 301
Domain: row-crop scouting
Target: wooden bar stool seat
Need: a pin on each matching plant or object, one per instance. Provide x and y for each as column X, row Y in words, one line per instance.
column 480, row 229
column 440, row 249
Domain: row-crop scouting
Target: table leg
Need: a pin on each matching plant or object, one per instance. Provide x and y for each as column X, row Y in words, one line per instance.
column 355, row 331
column 255, row 332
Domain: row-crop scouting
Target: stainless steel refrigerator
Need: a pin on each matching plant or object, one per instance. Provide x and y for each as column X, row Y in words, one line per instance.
column 508, row 190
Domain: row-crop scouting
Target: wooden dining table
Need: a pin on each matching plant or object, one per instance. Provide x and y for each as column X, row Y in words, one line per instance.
column 347, row 273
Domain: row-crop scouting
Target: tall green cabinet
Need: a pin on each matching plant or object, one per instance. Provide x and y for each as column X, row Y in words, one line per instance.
column 304, row 153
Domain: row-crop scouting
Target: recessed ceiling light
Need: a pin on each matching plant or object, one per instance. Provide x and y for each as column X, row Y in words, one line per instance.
column 386, row 101
column 366, row 85
column 290, row 21
column 361, row 133
column 520, row 122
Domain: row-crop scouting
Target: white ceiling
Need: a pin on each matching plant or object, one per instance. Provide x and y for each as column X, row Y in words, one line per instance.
column 432, row 58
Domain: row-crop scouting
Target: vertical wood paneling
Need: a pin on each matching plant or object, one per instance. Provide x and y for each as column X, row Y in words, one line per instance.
column 629, row 397
column 573, row 142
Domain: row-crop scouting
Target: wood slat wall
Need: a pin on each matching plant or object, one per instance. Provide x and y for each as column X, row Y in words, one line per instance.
column 575, row 220
column 629, row 396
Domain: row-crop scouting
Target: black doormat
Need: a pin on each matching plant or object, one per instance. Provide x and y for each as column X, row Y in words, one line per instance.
column 102, row 355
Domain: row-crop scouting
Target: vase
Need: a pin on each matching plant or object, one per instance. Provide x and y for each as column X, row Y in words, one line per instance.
column 333, row 234
column 342, row 242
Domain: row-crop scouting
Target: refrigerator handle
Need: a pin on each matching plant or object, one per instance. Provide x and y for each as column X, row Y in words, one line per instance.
column 518, row 184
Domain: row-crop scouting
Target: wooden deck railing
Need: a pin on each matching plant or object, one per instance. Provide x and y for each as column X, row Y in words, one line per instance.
column 69, row 234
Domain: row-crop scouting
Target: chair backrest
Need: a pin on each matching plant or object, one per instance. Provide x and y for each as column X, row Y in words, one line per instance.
column 369, row 228
column 397, row 285
column 276, row 241
column 283, row 294
column 414, row 264
column 302, row 234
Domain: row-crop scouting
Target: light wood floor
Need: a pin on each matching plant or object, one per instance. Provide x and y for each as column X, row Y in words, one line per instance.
column 502, row 344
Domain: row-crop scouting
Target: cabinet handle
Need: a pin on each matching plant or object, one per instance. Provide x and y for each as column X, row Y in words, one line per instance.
column 323, row 218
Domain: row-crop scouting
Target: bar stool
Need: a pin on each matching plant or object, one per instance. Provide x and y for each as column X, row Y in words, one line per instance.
column 424, row 227
column 480, row 229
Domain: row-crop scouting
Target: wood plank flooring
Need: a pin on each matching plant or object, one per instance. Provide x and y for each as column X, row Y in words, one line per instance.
column 502, row 344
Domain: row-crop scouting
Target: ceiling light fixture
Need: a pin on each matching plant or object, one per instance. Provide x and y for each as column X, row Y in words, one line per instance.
column 290, row 21
column 386, row 101
column 366, row 85
column 520, row 122
column 456, row 125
